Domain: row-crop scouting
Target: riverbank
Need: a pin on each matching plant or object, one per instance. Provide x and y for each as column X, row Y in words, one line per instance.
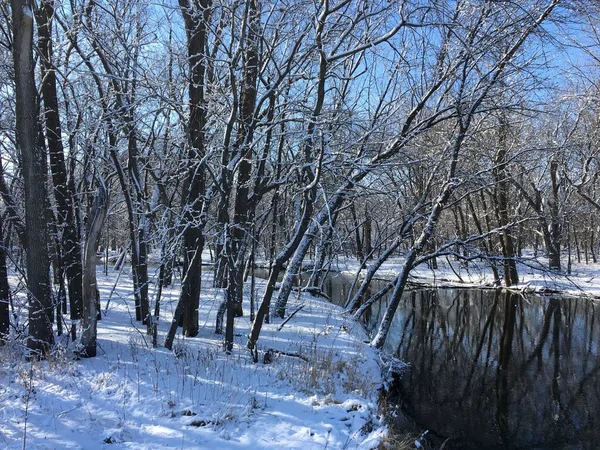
column 315, row 386
column 534, row 277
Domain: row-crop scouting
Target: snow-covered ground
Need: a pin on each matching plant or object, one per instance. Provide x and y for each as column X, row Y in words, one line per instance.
column 197, row 397
column 584, row 279
column 319, row 390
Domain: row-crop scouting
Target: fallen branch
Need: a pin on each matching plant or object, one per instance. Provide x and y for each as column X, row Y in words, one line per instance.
column 268, row 355
column 455, row 273
column 288, row 319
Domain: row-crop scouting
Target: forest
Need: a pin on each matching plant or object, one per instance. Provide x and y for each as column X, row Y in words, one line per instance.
column 186, row 146
column 287, row 134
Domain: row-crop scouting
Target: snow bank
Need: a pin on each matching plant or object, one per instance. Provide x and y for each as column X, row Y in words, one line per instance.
column 534, row 276
column 318, row 390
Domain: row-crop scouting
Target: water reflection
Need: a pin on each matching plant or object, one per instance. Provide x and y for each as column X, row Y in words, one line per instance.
column 493, row 369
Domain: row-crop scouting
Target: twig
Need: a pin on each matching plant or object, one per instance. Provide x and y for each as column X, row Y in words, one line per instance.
column 455, row 273
column 288, row 319
column 29, row 389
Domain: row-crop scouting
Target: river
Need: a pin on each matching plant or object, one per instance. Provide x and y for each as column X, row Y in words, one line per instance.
column 491, row 369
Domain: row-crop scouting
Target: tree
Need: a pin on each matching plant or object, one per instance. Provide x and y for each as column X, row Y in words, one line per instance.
column 123, row 76
column 69, row 234
column 34, row 173
column 466, row 113
column 196, row 15
column 91, row 301
column 4, row 289
column 372, row 129
column 501, row 195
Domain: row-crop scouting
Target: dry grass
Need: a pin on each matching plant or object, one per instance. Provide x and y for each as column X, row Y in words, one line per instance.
column 399, row 441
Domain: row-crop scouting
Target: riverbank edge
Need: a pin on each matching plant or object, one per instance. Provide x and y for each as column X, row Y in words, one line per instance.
column 580, row 281
column 401, row 431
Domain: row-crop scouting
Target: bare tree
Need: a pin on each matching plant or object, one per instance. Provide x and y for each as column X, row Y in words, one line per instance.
column 69, row 235
column 91, row 301
column 34, row 173
column 466, row 112
column 196, row 15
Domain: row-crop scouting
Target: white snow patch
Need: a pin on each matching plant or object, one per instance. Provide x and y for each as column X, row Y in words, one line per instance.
column 132, row 396
column 27, row 11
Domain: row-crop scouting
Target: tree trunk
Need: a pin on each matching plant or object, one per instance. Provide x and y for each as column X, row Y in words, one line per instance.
column 90, row 291
column 133, row 237
column 139, row 222
column 159, row 289
column 501, row 175
column 220, row 269
column 554, row 234
column 353, row 303
column 367, row 234
column 4, row 289
column 277, row 267
column 592, row 241
column 300, row 249
column 486, row 243
column 179, row 309
column 34, row 173
column 322, row 250
column 358, row 242
column 400, row 282
column 71, row 262
column 196, row 14
column 242, row 213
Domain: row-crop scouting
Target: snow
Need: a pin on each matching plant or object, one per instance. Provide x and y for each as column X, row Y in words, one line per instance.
column 319, row 390
column 197, row 397
column 534, row 276
column 27, row 12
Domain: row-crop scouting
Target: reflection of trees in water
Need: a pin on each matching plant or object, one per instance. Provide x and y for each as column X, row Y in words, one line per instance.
column 494, row 368
column 499, row 368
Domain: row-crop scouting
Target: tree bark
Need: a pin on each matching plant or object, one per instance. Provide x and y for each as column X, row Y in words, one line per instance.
column 90, row 292
column 487, row 243
column 34, row 173
column 358, row 241
column 196, row 14
column 554, row 235
column 123, row 84
column 4, row 289
column 240, row 227
column 65, row 198
column 511, row 276
column 400, row 282
column 277, row 267
column 354, row 302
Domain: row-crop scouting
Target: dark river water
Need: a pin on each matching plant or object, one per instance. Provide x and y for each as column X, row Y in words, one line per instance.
column 490, row 369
